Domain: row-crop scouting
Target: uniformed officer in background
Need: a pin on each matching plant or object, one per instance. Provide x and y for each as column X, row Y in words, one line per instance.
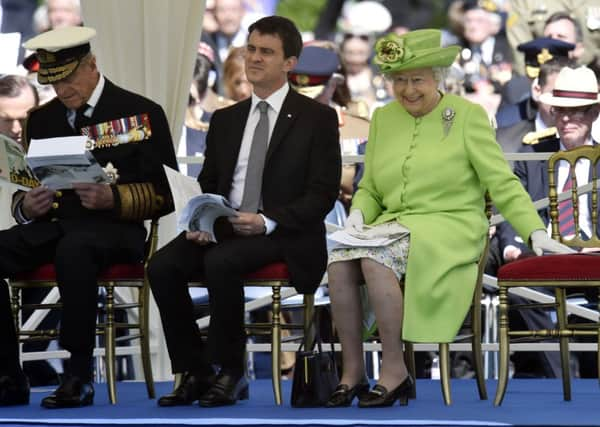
column 320, row 75
column 527, row 21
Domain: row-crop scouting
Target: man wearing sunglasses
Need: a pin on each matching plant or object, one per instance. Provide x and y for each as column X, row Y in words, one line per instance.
column 573, row 105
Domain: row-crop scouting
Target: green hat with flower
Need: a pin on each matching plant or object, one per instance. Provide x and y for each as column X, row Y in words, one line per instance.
column 415, row 49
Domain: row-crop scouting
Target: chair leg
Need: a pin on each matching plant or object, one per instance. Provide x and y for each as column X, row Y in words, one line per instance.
column 504, row 346
column 409, row 360
column 109, row 343
column 144, row 299
column 276, row 344
column 444, row 349
column 476, row 348
column 561, row 315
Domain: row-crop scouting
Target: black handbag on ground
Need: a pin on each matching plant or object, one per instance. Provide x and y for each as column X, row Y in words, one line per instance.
column 315, row 375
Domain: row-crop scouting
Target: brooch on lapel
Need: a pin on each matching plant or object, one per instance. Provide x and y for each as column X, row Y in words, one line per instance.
column 448, row 118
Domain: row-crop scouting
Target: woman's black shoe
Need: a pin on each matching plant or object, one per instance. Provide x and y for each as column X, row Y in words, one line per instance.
column 344, row 395
column 379, row 396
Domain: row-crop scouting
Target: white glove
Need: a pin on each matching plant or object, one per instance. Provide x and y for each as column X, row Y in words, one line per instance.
column 540, row 243
column 355, row 221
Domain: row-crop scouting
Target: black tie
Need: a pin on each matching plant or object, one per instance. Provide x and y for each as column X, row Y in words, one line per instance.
column 80, row 117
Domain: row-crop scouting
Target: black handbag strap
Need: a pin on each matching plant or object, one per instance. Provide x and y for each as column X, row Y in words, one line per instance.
column 314, row 322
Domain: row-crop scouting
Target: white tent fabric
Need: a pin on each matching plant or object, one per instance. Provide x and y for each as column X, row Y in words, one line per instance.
column 149, row 47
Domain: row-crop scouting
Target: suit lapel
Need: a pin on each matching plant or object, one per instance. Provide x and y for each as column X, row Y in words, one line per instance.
column 287, row 116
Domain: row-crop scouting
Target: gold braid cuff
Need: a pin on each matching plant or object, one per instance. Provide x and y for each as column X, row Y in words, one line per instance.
column 139, row 201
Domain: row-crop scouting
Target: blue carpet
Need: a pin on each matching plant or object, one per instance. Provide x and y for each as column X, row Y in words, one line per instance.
column 527, row 403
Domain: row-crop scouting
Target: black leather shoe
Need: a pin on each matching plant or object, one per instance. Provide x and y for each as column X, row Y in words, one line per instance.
column 344, row 394
column 189, row 390
column 72, row 393
column 379, row 396
column 226, row 390
column 14, row 390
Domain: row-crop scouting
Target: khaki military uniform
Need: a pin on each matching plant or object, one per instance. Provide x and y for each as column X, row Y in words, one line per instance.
column 527, row 19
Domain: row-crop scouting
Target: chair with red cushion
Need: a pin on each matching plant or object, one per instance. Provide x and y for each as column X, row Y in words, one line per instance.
column 275, row 276
column 118, row 275
column 557, row 272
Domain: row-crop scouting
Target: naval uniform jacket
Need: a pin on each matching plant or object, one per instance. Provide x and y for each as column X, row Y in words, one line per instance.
column 141, row 190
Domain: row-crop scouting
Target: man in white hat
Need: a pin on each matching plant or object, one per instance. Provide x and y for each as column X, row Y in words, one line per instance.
column 574, row 107
column 91, row 226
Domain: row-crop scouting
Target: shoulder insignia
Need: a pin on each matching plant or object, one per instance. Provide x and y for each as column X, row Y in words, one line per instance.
column 536, row 137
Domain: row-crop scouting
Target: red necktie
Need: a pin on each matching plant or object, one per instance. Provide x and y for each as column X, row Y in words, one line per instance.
column 566, row 224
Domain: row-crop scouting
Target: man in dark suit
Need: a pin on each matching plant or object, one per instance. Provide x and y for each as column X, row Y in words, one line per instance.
column 297, row 187
column 84, row 229
column 574, row 107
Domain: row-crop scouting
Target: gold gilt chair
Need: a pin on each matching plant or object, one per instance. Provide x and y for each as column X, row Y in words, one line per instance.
column 117, row 275
column 558, row 272
column 474, row 337
column 275, row 276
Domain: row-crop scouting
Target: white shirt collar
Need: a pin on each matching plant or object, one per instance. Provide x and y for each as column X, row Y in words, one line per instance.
column 275, row 100
column 95, row 96
column 588, row 141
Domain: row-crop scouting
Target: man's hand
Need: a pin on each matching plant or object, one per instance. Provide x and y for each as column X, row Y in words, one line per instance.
column 355, row 221
column 511, row 253
column 200, row 237
column 95, row 196
column 37, row 202
column 248, row 224
column 540, row 243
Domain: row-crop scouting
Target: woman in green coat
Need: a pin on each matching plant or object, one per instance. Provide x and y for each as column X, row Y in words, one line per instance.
column 430, row 159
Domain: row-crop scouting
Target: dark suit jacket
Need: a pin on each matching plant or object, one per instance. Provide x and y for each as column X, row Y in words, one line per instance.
column 136, row 163
column 300, row 179
column 534, row 177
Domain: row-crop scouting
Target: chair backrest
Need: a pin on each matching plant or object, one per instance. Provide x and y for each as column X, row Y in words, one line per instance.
column 592, row 154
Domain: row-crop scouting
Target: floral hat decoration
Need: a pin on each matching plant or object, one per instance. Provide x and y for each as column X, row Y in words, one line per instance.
column 415, row 49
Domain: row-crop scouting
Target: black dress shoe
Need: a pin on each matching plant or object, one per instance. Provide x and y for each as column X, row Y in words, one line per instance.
column 14, row 390
column 72, row 393
column 188, row 391
column 226, row 390
column 379, row 396
column 344, row 395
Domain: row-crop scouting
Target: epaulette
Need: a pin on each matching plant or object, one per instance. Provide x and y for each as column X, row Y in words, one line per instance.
column 536, row 137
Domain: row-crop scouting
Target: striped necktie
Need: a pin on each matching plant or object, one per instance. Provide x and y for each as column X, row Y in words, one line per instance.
column 566, row 224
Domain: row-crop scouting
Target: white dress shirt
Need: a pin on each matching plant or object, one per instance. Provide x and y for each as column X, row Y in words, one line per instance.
column 275, row 101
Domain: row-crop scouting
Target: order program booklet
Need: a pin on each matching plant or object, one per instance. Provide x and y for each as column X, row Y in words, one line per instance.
column 56, row 163
column 13, row 167
column 195, row 210
column 378, row 235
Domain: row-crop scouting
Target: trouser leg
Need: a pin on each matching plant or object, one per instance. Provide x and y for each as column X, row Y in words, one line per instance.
column 169, row 271
column 78, row 261
column 224, row 266
column 15, row 256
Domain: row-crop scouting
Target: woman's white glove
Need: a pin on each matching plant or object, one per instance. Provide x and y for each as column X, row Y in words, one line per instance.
column 541, row 242
column 355, row 221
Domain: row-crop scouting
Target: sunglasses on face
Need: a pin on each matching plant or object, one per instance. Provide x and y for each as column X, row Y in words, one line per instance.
column 573, row 113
